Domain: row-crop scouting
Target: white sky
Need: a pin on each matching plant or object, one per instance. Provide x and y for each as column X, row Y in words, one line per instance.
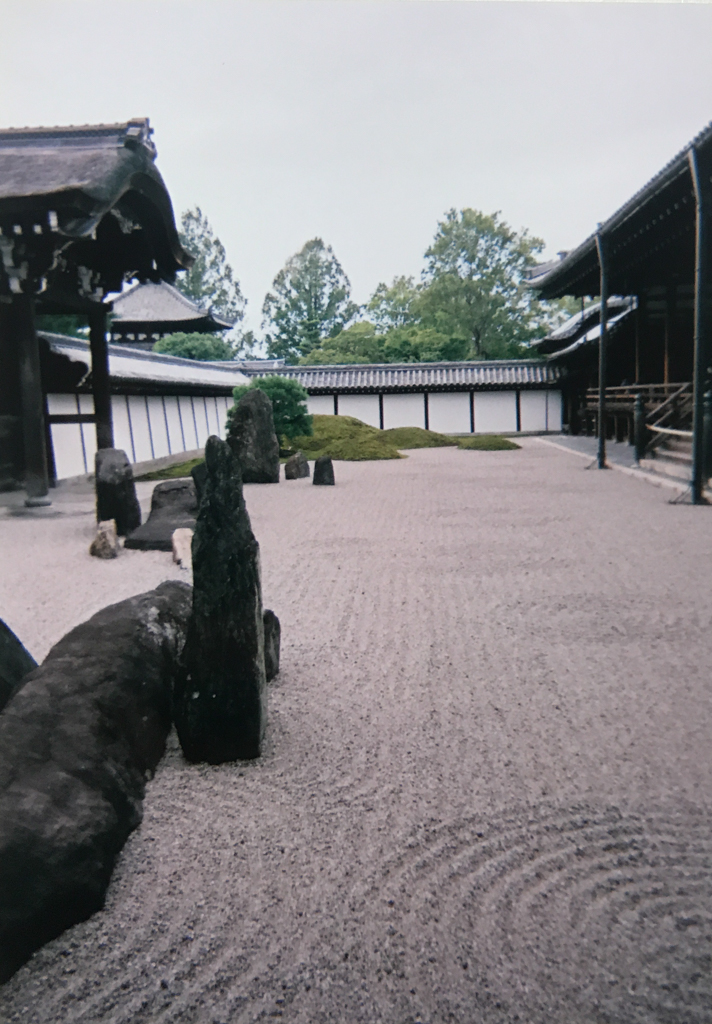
column 364, row 122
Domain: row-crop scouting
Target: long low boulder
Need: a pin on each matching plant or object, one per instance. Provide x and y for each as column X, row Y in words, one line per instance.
column 77, row 742
column 174, row 506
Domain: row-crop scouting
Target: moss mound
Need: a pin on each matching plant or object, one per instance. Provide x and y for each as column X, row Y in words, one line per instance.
column 486, row 443
column 416, row 437
column 346, row 438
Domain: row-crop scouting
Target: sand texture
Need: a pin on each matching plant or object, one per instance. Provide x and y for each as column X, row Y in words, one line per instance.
column 486, row 789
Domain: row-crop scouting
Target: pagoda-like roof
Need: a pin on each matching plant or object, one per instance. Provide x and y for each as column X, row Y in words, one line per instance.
column 152, row 308
column 82, row 209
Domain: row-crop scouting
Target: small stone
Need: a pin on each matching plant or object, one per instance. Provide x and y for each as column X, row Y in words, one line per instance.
column 15, row 663
column 296, row 467
column 219, row 696
column 116, row 491
column 272, row 640
column 106, row 542
column 182, row 540
column 324, row 470
column 253, row 440
column 174, row 505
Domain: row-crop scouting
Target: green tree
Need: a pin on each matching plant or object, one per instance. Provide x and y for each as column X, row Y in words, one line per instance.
column 71, row 324
column 204, row 347
column 210, row 281
column 393, row 306
column 289, row 405
column 310, row 300
column 474, row 289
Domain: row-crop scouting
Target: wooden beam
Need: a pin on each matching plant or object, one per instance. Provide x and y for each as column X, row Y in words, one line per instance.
column 602, row 342
column 100, row 378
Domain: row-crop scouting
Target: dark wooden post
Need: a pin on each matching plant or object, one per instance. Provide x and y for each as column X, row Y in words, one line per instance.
column 100, row 378
column 639, row 427
column 703, row 268
column 602, row 352
column 32, row 401
column 707, row 435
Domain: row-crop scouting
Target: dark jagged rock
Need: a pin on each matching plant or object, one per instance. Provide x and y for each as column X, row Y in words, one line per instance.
column 253, row 440
column 219, row 697
column 324, row 470
column 15, row 663
column 296, row 467
column 200, row 475
column 273, row 634
column 116, row 491
column 77, row 742
column 174, row 506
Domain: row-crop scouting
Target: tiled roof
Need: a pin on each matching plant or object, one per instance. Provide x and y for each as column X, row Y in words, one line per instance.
column 132, row 365
column 151, row 303
column 364, row 378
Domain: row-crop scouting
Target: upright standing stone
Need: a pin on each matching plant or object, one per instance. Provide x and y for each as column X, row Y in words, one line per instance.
column 15, row 663
column 273, row 632
column 200, row 475
column 253, row 440
column 296, row 467
column 116, row 490
column 324, row 470
column 219, row 696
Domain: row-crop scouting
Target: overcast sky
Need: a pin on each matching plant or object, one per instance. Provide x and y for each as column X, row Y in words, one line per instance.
column 364, row 122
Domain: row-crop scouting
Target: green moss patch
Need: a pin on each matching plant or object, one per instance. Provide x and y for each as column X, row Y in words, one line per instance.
column 416, row 437
column 346, row 438
column 171, row 472
column 486, row 443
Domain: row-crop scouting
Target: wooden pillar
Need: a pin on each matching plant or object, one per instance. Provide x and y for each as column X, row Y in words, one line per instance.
column 602, row 342
column 32, row 401
column 100, row 378
column 703, row 319
column 670, row 318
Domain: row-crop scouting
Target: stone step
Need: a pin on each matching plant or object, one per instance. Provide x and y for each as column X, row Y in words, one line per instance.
column 667, row 467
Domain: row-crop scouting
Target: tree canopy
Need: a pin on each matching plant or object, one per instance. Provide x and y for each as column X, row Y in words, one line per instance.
column 310, row 301
column 289, row 405
column 210, row 281
column 472, row 302
column 204, row 347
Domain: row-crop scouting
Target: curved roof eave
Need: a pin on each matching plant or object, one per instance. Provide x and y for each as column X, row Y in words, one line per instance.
column 569, row 269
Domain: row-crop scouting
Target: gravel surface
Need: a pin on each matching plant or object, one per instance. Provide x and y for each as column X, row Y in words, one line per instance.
column 485, row 794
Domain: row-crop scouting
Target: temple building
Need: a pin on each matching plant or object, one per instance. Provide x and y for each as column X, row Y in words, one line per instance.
column 143, row 313
column 82, row 211
column 650, row 265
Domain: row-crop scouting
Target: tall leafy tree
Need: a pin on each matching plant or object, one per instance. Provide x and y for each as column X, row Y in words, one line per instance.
column 210, row 281
column 310, row 300
column 474, row 288
column 394, row 305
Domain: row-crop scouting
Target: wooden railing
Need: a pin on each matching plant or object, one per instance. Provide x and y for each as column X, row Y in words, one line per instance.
column 668, row 408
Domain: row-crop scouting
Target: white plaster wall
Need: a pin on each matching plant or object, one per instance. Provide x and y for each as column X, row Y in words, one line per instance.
column 175, row 434
column 449, row 412
column 201, row 421
column 159, row 433
column 495, row 412
column 86, row 407
column 189, row 421
column 363, row 407
column 122, row 433
column 139, row 424
column 532, row 405
column 403, row 411
column 554, row 410
column 320, row 405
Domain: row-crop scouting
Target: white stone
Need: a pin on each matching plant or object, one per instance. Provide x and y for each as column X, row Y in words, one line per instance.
column 182, row 554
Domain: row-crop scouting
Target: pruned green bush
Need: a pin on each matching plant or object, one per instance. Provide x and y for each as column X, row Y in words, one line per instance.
column 289, row 405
